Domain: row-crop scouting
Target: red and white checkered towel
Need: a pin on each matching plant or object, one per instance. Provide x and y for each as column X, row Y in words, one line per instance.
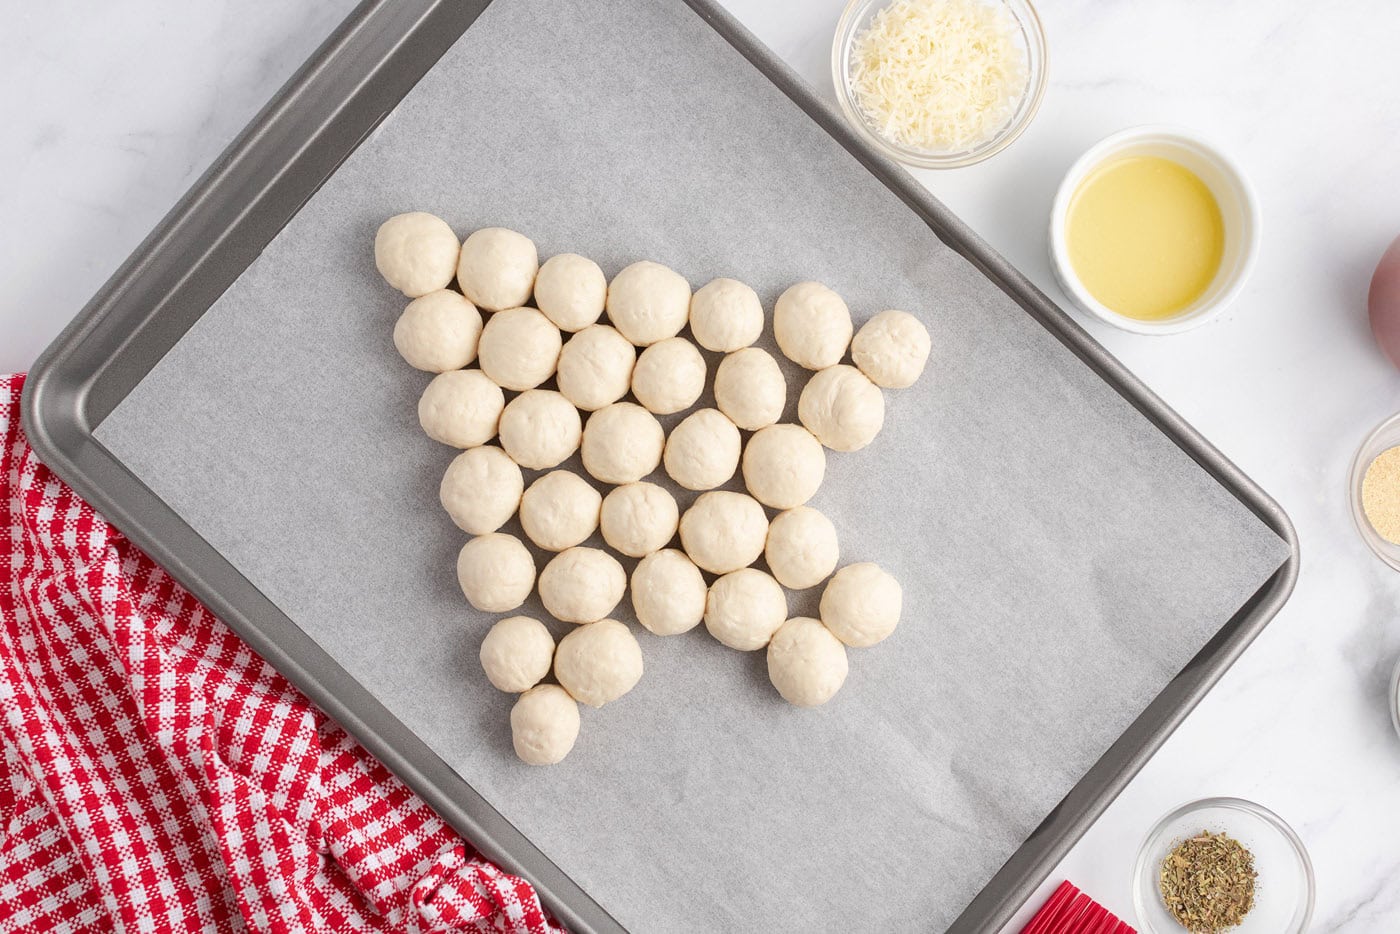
column 157, row 775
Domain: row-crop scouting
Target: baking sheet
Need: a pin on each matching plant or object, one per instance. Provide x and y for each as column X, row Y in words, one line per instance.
column 1061, row 558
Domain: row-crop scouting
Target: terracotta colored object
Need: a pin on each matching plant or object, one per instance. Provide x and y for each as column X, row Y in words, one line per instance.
column 1384, row 303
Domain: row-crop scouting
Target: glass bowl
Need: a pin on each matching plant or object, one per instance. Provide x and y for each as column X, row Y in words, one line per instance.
column 1385, row 436
column 1395, row 699
column 1283, row 895
column 853, row 21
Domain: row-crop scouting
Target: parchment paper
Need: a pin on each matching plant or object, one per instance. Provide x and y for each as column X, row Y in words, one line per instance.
column 1061, row 559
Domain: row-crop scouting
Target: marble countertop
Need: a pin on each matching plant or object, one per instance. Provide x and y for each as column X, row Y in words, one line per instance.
column 111, row 111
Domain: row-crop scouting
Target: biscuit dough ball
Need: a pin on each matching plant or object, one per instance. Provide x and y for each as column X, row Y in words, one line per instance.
column 517, row 653
column 461, row 408
column 801, row 550
column 570, row 290
column 639, row 518
column 744, row 609
column 724, row 531
column 582, row 585
column 812, row 325
column 861, row 604
column 438, row 332
column 750, row 389
column 599, row 662
column 416, row 253
column 559, row 510
column 622, row 443
column 496, row 572
column 783, row 466
column 725, row 315
column 540, row 429
column 544, row 725
column 595, row 367
column 842, row 408
column 648, row 302
column 703, row 450
column 668, row 593
column 481, row 489
column 497, row 268
column 891, row 349
column 519, row 348
column 669, row 376
column 806, row 663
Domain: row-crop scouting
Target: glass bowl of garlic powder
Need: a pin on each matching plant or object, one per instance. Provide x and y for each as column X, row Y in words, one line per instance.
column 1374, row 491
column 939, row 84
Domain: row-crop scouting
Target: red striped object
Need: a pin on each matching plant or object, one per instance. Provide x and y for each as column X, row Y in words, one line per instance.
column 157, row 775
column 1070, row 911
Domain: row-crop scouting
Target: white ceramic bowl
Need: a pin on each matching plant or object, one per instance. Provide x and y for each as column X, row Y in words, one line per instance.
column 1238, row 208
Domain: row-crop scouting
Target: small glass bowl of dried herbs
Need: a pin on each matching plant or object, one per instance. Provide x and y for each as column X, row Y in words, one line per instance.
column 1223, row 866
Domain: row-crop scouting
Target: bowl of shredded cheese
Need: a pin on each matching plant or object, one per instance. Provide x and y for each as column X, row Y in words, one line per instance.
column 939, row 84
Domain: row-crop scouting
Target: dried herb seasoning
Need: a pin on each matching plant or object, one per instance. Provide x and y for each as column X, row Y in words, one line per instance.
column 1208, row 882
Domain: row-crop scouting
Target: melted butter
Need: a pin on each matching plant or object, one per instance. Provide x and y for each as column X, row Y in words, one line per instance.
column 1145, row 236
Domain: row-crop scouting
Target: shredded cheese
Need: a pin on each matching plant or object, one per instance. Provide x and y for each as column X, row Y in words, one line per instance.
column 939, row 75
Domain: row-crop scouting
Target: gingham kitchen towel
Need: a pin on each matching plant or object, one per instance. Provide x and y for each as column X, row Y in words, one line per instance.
column 157, row 775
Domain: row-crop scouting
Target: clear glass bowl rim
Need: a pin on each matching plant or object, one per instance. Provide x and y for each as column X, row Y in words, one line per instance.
column 1387, row 552
column 1146, row 850
column 1025, row 13
column 1395, row 699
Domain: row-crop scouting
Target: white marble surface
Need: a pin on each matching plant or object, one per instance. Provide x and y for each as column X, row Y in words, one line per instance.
column 110, row 111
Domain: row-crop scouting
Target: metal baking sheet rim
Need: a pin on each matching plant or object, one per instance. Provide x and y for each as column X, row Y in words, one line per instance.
column 314, row 122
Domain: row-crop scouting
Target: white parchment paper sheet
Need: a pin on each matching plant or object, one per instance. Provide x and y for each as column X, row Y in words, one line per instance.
column 1061, row 559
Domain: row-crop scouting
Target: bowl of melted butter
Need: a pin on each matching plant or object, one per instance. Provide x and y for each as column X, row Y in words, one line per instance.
column 1154, row 230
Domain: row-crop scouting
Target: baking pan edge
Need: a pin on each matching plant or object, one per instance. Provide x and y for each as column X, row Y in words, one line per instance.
column 60, row 410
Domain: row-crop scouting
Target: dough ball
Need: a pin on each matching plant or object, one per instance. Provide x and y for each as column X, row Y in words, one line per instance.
column 519, row 348
column 599, row 662
column 801, row 549
column 622, row 443
column 842, row 408
column 544, row 725
column 891, row 349
column 648, row 302
column 517, row 653
column 540, row 429
column 461, row 408
column 481, row 489
column 496, row 572
column 571, row 290
column 783, row 466
column 723, row 531
column 669, row 376
column 581, row 585
column 416, row 253
column 725, row 315
column 668, row 593
column 559, row 510
column 497, row 268
column 595, row 367
column 861, row 604
column 806, row 663
column 438, row 332
column 639, row 518
column 812, row 325
column 703, row 450
column 744, row 609
column 750, row 389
